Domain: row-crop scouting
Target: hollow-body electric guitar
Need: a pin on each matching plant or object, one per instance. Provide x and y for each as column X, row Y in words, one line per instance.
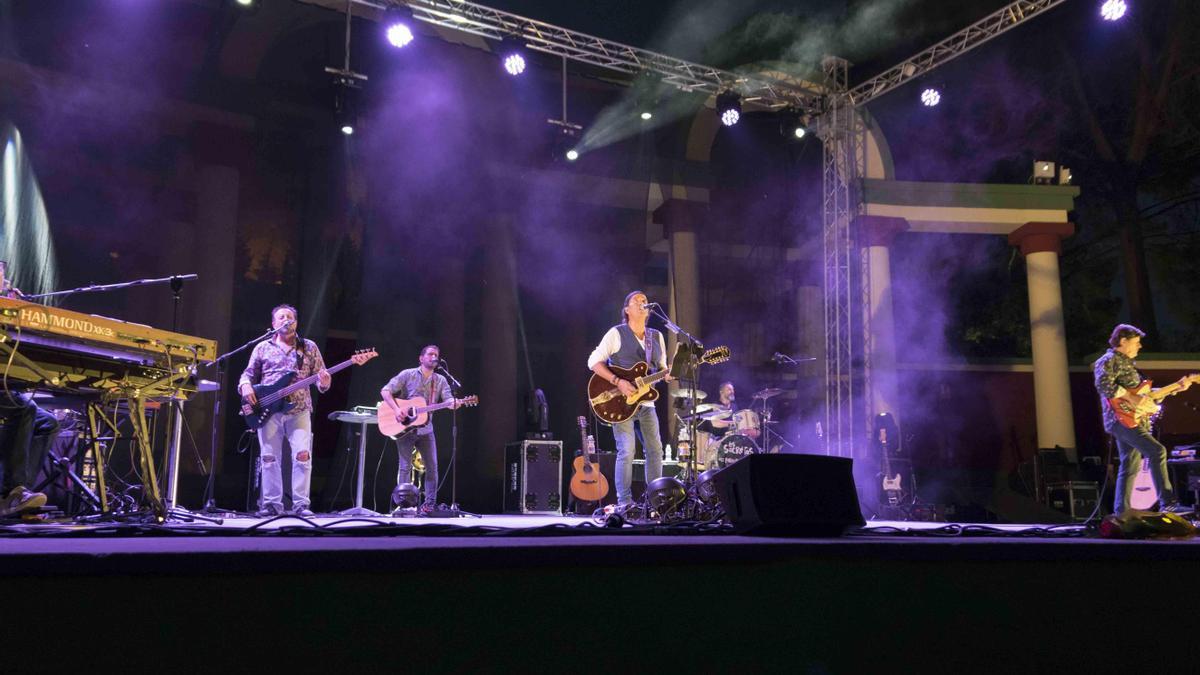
column 611, row 406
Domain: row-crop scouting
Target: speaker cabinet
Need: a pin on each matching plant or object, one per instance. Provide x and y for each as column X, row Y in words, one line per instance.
column 533, row 477
column 790, row 495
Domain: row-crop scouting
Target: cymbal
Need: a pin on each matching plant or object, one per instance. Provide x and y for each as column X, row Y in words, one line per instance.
column 687, row 393
column 768, row 393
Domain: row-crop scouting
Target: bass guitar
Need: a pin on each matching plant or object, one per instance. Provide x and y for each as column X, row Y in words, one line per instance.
column 611, row 406
column 273, row 398
column 588, row 484
column 1130, row 415
column 413, row 413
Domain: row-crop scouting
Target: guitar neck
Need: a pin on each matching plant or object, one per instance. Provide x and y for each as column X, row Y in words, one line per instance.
column 300, row 384
column 653, row 377
column 436, row 406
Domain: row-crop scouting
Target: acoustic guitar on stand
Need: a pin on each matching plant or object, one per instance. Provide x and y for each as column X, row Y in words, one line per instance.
column 611, row 406
column 588, row 484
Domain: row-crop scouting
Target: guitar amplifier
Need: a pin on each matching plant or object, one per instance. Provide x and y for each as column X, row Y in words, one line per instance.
column 533, row 477
column 1077, row 499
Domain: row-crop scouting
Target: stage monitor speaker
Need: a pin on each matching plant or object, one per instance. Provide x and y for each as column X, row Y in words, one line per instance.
column 790, row 495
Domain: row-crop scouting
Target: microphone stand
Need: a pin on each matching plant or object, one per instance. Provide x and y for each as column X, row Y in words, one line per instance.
column 455, row 386
column 176, row 280
column 210, row 500
column 694, row 347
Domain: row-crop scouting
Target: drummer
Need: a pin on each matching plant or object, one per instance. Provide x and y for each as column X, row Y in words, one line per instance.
column 719, row 425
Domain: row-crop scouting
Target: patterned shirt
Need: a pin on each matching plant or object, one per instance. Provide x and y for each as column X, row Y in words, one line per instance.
column 269, row 361
column 1113, row 371
column 412, row 382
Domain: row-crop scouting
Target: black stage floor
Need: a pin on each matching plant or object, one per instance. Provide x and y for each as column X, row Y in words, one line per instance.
column 544, row 592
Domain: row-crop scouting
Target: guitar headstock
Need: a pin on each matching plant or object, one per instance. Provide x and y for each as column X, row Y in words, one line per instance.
column 469, row 401
column 715, row 355
column 363, row 355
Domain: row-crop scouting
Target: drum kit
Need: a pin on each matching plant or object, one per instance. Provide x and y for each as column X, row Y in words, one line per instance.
column 747, row 430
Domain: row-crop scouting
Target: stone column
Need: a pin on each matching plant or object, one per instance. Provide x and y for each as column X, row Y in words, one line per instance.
column 1041, row 244
column 680, row 220
column 876, row 234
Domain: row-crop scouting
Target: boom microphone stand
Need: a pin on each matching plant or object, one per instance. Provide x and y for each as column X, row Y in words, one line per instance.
column 455, row 387
column 692, row 348
column 210, row 501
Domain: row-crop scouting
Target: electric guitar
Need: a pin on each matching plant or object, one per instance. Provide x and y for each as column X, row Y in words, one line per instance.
column 588, row 484
column 273, row 398
column 892, row 485
column 1130, row 415
column 611, row 406
column 413, row 413
column 1144, row 495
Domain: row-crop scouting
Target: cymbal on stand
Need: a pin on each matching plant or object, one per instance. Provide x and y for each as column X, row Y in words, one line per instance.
column 698, row 394
column 768, row 392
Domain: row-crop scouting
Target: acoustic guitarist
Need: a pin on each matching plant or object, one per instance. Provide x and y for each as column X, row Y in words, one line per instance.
column 1118, row 383
column 623, row 346
column 286, row 352
column 424, row 382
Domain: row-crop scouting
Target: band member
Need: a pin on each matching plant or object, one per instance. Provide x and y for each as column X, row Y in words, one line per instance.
column 718, row 427
column 623, row 346
column 24, row 441
column 407, row 384
column 286, row 352
column 1116, row 374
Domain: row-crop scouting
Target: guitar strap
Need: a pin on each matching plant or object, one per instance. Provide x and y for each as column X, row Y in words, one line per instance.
column 647, row 346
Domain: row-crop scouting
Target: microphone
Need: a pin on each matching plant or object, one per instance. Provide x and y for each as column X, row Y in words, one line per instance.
column 282, row 329
column 777, row 357
column 648, row 305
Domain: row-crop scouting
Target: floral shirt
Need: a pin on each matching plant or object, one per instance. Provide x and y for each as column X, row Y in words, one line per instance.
column 270, row 361
column 1113, row 371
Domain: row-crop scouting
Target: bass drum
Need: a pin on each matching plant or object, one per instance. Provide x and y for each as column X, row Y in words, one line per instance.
column 732, row 448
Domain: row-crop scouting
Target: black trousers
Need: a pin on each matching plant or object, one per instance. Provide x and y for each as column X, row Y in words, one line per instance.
column 24, row 439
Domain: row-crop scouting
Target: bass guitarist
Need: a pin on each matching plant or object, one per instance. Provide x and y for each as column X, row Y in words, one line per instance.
column 271, row 359
column 424, row 382
column 624, row 345
column 1117, row 379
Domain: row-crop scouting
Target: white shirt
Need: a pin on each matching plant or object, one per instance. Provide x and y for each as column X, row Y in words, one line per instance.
column 611, row 343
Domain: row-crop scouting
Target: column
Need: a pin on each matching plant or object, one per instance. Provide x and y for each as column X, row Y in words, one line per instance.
column 1041, row 244
column 680, row 220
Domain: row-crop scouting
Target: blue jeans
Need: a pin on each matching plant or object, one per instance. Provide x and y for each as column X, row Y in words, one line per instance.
column 427, row 444
column 297, row 429
column 1133, row 445
column 624, row 433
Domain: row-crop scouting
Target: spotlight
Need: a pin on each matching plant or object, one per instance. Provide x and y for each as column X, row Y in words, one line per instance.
column 799, row 132
column 931, row 97
column 1043, row 172
column 347, row 129
column 405, row 495
column 512, row 55
column 665, row 494
column 572, row 155
column 1064, row 175
column 1112, row 10
column 396, row 28
column 245, row 3
column 647, row 115
column 345, row 104
column 729, row 107
column 514, row 64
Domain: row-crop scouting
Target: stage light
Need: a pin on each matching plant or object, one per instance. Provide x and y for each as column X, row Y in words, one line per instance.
column 348, row 129
column 799, row 132
column 647, row 115
column 514, row 64
column 1113, row 10
column 572, row 155
column 245, row 3
column 1044, row 172
column 405, row 496
column 1064, row 175
column 512, row 55
column 665, row 493
column 729, row 107
column 396, row 27
column 931, row 97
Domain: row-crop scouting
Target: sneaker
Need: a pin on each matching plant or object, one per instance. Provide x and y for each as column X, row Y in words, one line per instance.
column 1175, row 507
column 21, row 499
column 269, row 511
column 303, row 512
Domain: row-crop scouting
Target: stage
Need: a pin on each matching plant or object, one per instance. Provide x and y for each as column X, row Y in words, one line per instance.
column 506, row 591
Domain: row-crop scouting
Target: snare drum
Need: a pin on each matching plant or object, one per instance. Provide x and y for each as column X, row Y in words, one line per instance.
column 734, row 447
column 746, row 423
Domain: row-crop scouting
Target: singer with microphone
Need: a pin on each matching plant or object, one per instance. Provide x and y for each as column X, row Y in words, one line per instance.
column 286, row 351
column 425, row 382
column 624, row 345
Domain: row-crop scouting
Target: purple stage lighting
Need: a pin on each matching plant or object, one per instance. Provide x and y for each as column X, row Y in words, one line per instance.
column 931, row 97
column 572, row 155
column 514, row 64
column 1112, row 10
column 399, row 34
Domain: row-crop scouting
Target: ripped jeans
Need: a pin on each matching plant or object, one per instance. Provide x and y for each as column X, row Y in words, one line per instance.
column 297, row 429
